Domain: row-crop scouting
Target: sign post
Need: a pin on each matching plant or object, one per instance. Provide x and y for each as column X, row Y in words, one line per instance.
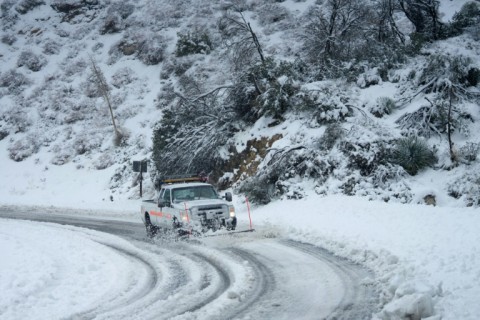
column 140, row 166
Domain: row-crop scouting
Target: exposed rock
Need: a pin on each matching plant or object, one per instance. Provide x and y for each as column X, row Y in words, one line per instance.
column 430, row 200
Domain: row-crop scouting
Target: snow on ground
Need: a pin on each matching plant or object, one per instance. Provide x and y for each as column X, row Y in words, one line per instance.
column 423, row 257
column 35, row 181
column 50, row 271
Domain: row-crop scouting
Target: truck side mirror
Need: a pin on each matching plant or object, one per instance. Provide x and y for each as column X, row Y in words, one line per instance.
column 161, row 203
column 228, row 196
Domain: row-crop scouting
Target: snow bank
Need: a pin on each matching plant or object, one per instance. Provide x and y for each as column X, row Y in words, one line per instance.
column 426, row 259
column 50, row 272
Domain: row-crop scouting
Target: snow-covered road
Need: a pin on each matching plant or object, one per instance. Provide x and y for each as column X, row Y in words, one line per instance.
column 92, row 268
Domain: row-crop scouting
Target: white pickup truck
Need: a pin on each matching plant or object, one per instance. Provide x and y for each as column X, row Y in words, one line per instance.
column 188, row 207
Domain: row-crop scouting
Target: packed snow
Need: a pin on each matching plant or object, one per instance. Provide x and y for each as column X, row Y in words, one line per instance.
column 50, row 271
column 426, row 259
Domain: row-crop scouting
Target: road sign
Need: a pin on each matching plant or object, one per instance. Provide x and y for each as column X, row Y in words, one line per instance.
column 139, row 166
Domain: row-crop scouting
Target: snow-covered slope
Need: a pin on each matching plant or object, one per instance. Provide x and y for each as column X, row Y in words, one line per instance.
column 56, row 130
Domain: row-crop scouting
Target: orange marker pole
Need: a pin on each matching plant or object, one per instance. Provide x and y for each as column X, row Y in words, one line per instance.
column 188, row 219
column 249, row 216
column 186, row 212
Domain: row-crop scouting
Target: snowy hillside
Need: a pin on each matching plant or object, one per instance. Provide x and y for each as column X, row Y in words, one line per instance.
column 56, row 128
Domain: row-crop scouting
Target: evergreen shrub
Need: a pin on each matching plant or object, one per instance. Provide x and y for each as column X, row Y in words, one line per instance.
column 468, row 16
column 196, row 42
column 413, row 154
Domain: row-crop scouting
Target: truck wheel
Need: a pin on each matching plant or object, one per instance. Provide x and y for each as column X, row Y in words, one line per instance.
column 150, row 228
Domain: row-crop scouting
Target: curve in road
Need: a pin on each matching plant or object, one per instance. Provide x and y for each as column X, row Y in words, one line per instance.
column 234, row 277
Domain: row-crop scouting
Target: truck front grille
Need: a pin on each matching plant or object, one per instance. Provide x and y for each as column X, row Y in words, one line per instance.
column 210, row 208
column 218, row 210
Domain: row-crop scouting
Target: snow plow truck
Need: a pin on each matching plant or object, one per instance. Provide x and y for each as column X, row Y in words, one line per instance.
column 187, row 205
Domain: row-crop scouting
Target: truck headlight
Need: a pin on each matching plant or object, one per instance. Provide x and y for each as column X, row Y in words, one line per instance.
column 232, row 212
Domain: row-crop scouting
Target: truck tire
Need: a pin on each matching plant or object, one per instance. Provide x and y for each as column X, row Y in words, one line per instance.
column 150, row 228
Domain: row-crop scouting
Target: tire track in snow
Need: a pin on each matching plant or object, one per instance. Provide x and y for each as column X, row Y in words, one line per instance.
column 197, row 279
column 358, row 300
column 116, row 303
column 224, row 283
column 263, row 283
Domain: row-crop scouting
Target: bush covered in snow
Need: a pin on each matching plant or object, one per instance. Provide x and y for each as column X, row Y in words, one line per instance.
column 87, row 142
column 8, row 39
column 282, row 167
column 74, row 67
column 123, row 77
column 24, row 148
column 268, row 88
column 3, row 134
column 151, row 50
column 467, row 187
column 149, row 47
column 25, row 6
column 469, row 151
column 14, row 81
column 31, row 60
column 369, row 78
column 17, row 121
column 383, row 106
column 115, row 18
column 443, row 72
column 104, row 161
column 196, row 42
column 51, row 47
column 271, row 13
column 328, row 102
column 61, row 155
column 333, row 133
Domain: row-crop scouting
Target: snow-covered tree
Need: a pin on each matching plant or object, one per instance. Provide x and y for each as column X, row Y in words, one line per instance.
column 192, row 135
column 425, row 16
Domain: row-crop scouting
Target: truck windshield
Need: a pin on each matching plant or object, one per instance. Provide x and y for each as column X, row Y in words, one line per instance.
column 194, row 193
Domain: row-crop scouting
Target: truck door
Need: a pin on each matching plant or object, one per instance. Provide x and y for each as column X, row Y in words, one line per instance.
column 158, row 211
column 165, row 216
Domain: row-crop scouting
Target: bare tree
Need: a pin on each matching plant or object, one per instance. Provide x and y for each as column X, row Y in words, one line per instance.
column 105, row 92
column 239, row 36
column 333, row 27
column 384, row 21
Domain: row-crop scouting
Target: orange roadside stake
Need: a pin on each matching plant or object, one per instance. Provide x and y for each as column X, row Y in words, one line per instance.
column 248, row 208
